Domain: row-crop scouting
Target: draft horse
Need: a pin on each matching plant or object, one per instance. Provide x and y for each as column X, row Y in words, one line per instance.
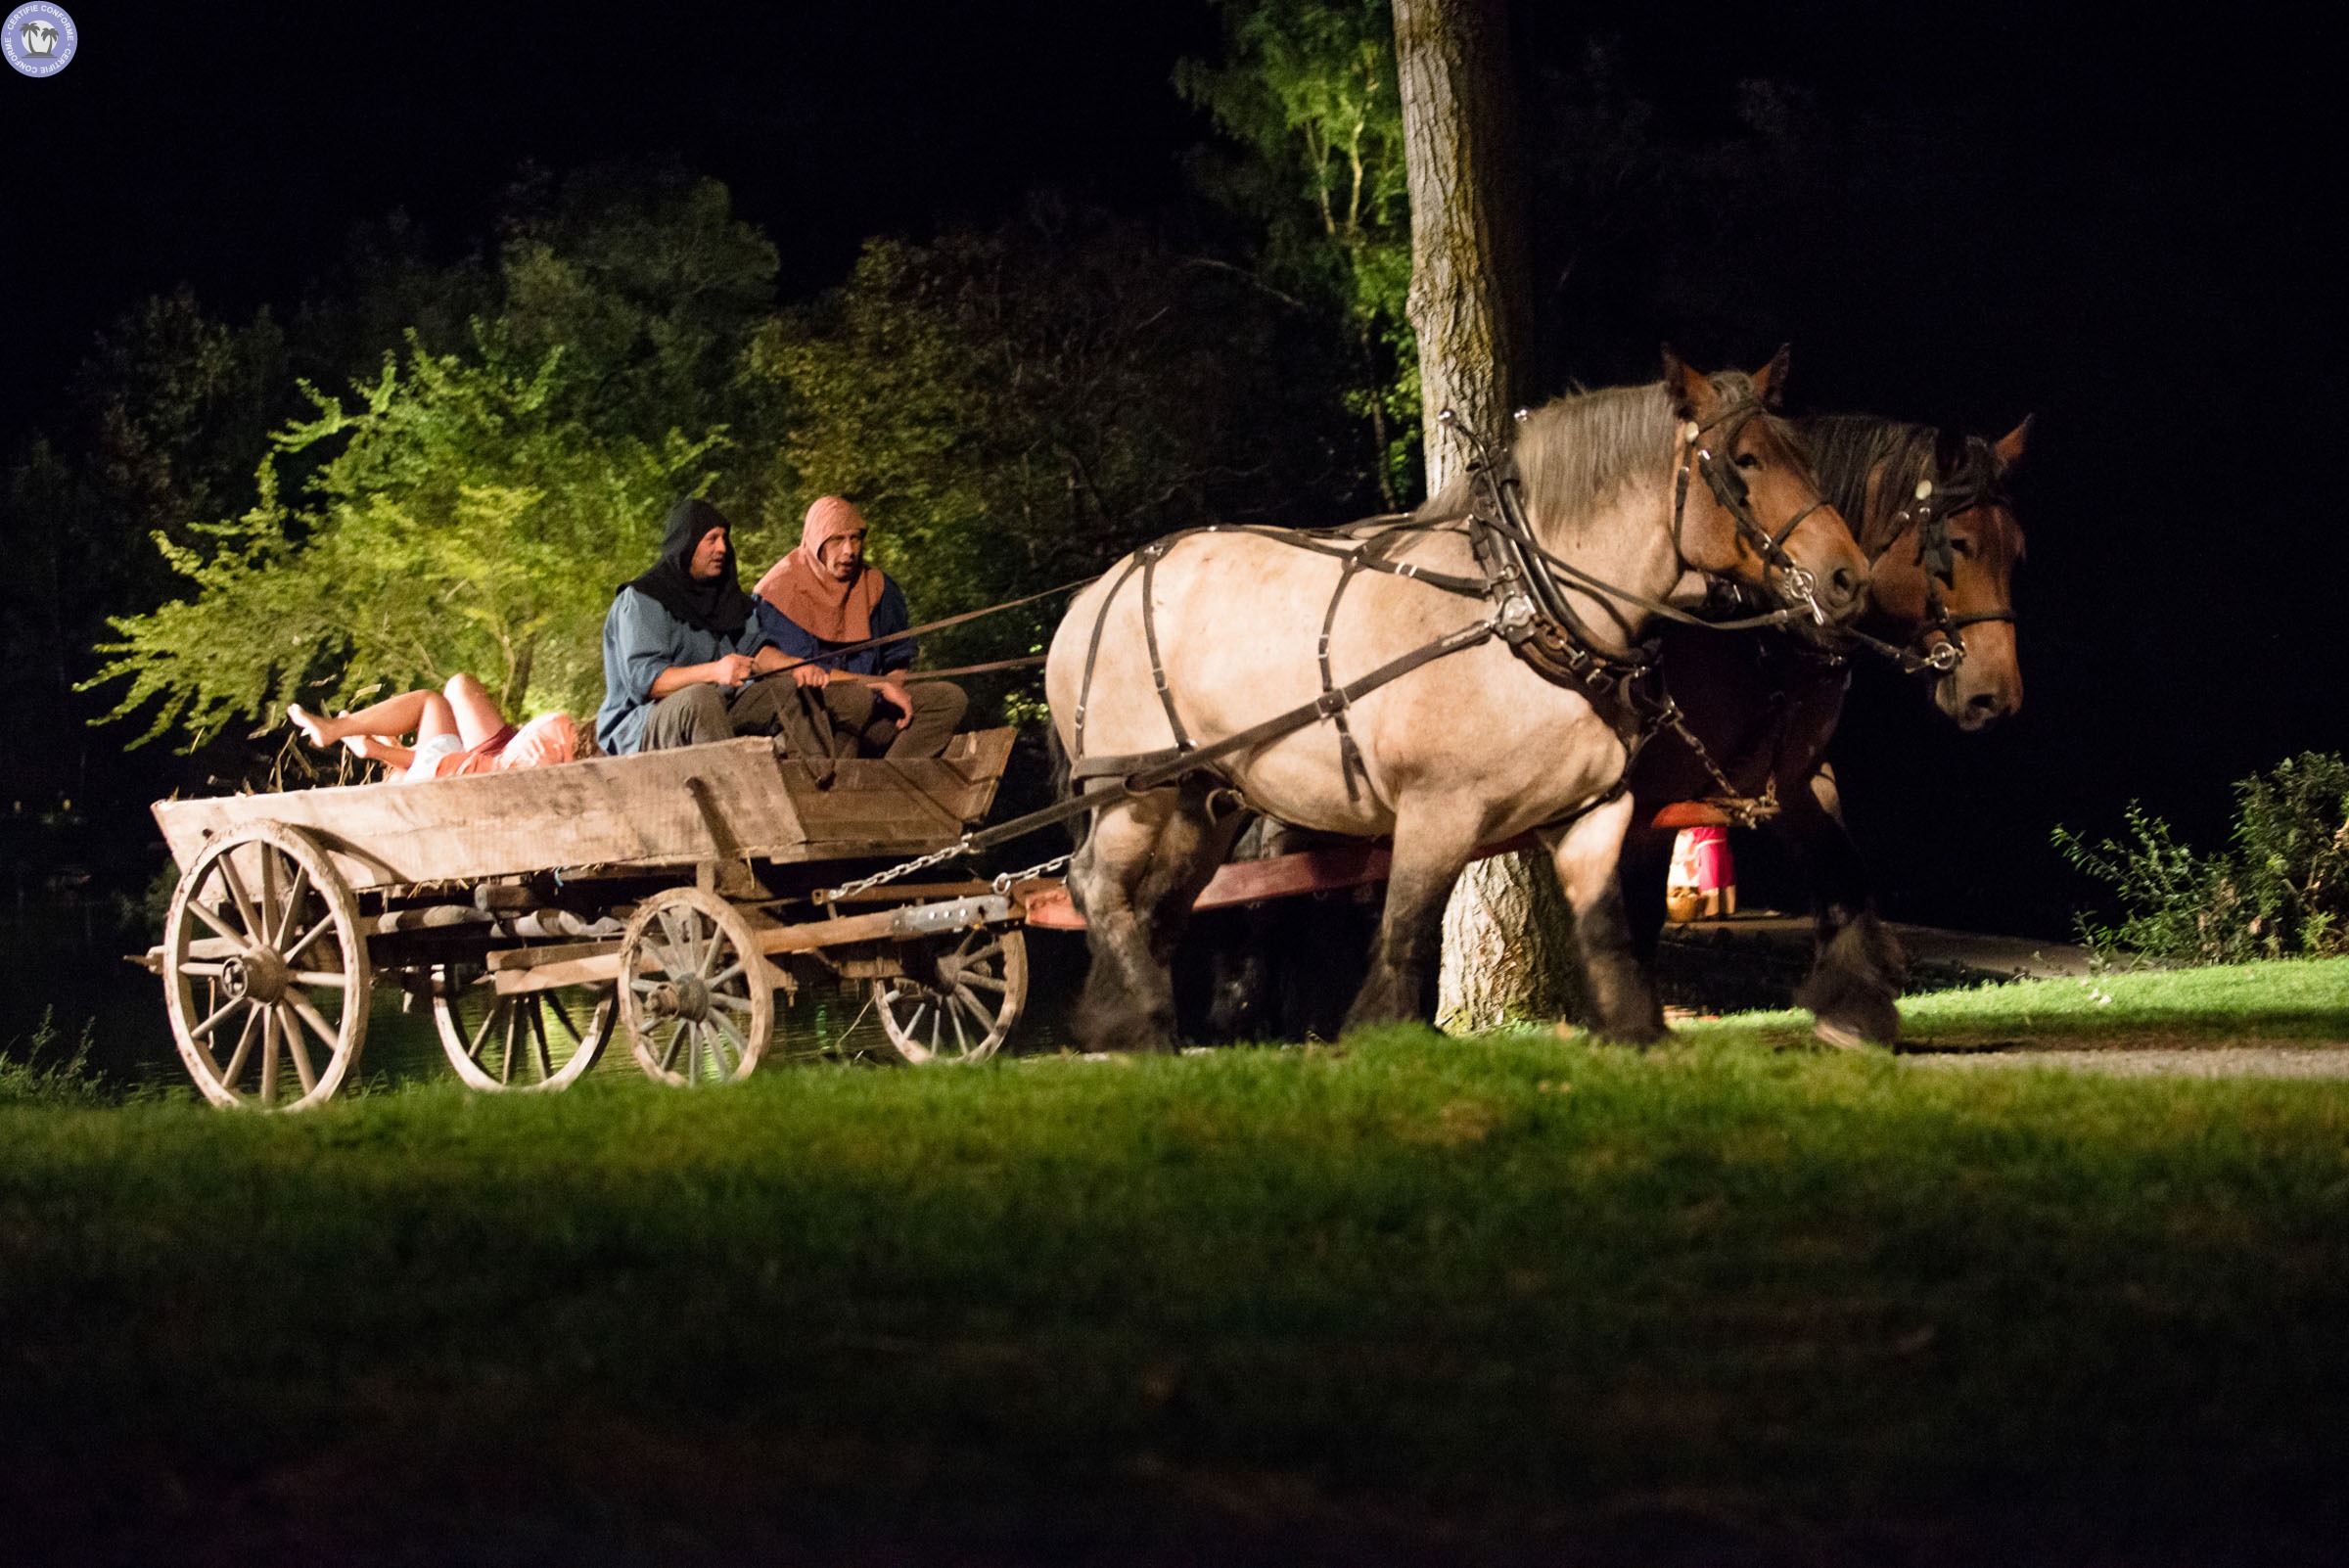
column 1935, row 521
column 1404, row 635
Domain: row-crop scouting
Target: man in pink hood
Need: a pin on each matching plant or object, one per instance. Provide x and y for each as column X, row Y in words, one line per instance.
column 824, row 603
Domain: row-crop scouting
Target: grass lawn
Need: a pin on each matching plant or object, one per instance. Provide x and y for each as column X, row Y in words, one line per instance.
column 1408, row 1298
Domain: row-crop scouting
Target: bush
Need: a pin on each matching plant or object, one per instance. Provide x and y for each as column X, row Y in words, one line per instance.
column 25, row 1080
column 2280, row 890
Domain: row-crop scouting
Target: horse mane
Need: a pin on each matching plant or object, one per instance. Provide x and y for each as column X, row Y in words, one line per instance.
column 1847, row 448
column 1576, row 452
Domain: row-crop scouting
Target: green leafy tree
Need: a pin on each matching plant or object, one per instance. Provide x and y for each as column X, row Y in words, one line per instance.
column 645, row 274
column 1015, row 409
column 465, row 523
column 1307, row 92
column 471, row 505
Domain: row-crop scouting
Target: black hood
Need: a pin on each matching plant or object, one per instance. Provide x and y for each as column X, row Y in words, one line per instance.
column 716, row 606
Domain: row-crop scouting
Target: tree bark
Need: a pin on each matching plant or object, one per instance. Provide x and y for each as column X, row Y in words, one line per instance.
column 1506, row 949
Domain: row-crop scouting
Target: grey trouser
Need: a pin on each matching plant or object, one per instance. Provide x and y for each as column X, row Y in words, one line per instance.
column 706, row 712
column 864, row 726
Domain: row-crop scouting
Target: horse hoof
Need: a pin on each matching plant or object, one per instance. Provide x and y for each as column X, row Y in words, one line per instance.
column 1843, row 1037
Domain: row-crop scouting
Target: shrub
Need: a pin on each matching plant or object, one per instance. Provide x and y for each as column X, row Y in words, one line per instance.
column 2280, row 890
column 25, row 1080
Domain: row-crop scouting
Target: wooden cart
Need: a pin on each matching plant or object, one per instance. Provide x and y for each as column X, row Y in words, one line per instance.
column 669, row 896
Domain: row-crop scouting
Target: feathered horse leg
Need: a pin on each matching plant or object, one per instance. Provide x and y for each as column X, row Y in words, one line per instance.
column 1144, row 863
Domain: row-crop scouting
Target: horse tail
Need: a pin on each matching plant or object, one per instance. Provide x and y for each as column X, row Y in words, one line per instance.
column 1080, row 827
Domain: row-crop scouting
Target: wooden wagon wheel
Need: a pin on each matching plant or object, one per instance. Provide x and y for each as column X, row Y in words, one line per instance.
column 694, row 991
column 265, row 971
column 958, row 997
column 540, row 1040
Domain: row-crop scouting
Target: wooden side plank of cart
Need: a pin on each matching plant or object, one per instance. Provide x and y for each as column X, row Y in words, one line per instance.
column 667, row 894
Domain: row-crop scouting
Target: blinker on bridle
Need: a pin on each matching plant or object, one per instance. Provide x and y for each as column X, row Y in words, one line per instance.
column 1929, row 510
column 1735, row 495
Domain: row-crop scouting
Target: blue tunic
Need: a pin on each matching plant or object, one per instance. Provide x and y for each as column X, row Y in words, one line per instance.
column 890, row 615
column 641, row 639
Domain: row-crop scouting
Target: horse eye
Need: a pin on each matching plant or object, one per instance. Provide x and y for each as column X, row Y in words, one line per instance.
column 1963, row 546
column 1749, row 461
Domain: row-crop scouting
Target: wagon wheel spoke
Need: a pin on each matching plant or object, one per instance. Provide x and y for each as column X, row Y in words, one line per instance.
column 481, row 1036
column 971, row 977
column 962, row 1041
column 665, row 950
column 546, row 1063
column 668, row 1055
column 203, row 912
column 719, row 1028
column 979, row 1010
column 993, row 949
column 307, row 1011
column 291, row 910
column 268, row 1056
column 731, row 972
column 312, row 934
column 331, row 979
column 244, row 1050
column 203, row 1030
column 563, row 1017
column 253, row 927
column 297, row 1050
column 736, row 1004
column 505, row 1061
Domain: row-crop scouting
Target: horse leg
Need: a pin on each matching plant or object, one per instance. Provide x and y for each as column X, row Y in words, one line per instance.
column 1140, row 867
column 1857, row 965
column 1588, row 855
column 1431, row 847
column 1645, row 864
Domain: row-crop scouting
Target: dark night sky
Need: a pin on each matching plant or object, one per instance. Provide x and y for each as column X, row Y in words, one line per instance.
column 2138, row 255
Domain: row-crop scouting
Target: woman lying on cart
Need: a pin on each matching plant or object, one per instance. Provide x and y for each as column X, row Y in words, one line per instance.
column 458, row 730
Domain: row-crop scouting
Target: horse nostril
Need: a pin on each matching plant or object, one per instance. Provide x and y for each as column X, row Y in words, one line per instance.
column 1846, row 583
column 1987, row 703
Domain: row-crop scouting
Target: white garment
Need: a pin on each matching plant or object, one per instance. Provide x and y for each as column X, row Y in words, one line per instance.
column 427, row 757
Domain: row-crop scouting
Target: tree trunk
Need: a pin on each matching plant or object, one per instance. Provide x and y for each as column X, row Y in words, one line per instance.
column 1505, row 949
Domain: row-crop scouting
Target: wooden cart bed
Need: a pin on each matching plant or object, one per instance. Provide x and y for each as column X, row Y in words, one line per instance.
column 727, row 802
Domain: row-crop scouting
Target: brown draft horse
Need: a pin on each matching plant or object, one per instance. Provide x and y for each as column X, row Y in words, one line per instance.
column 1765, row 708
column 1471, row 749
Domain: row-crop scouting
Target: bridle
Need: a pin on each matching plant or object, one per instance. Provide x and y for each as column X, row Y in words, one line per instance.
column 1928, row 511
column 1730, row 489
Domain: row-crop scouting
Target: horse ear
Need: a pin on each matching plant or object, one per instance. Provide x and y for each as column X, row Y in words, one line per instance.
column 1691, row 389
column 2009, row 446
column 1770, row 380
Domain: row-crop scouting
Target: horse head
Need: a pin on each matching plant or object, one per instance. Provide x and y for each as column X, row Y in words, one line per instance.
column 1747, row 506
column 1945, row 572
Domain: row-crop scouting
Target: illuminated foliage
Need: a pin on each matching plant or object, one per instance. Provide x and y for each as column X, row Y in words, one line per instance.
column 1307, row 95
column 466, row 523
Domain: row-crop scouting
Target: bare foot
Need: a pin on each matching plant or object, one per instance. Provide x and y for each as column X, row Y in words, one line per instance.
column 312, row 727
column 370, row 747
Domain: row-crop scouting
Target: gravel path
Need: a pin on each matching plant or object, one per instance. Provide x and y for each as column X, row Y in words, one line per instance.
column 2218, row 1061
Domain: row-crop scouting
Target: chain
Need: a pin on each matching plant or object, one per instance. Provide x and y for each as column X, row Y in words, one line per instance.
column 1748, row 811
column 1042, row 868
column 920, row 863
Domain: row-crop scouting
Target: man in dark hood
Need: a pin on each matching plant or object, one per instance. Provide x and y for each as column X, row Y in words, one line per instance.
column 684, row 659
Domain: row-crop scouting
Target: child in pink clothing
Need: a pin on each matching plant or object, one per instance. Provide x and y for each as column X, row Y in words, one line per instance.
column 458, row 731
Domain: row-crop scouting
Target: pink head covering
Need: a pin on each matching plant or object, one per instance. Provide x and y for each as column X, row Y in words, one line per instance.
column 816, row 601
